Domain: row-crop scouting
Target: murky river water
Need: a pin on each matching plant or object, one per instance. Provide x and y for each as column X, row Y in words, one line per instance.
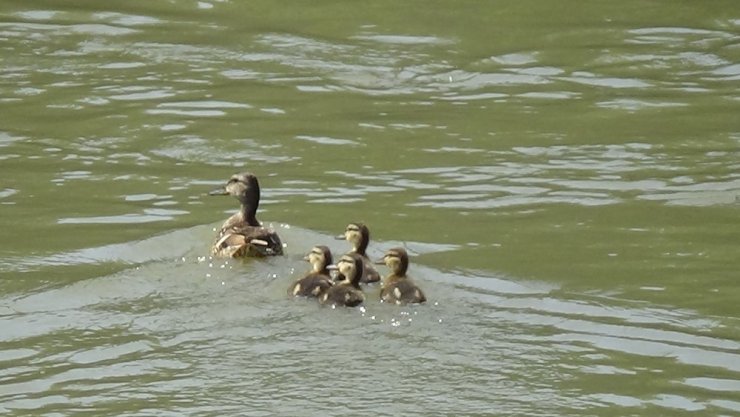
column 566, row 176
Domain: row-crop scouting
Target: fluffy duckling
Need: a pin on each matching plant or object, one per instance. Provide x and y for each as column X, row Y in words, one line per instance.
column 358, row 235
column 346, row 292
column 241, row 234
column 397, row 287
column 318, row 279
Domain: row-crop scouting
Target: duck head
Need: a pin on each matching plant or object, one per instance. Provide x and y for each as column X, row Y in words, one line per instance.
column 319, row 258
column 245, row 188
column 397, row 259
column 358, row 235
column 350, row 268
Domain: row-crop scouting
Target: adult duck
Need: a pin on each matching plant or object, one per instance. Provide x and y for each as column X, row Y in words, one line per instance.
column 242, row 234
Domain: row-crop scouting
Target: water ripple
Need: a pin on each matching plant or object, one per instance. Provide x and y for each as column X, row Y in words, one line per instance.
column 478, row 117
column 534, row 175
column 175, row 322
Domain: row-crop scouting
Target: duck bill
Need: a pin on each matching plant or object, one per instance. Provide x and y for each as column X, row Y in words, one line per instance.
column 219, row 191
column 379, row 262
column 332, row 267
column 340, row 237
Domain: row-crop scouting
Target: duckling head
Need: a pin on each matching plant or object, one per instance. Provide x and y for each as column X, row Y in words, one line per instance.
column 319, row 258
column 397, row 259
column 350, row 268
column 358, row 235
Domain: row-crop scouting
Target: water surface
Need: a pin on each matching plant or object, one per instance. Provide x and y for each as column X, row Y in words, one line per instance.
column 564, row 175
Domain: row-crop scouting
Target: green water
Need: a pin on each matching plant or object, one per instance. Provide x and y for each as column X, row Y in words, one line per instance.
column 565, row 175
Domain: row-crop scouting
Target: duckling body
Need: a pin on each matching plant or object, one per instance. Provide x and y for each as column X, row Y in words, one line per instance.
column 358, row 235
column 318, row 279
column 346, row 292
column 397, row 287
column 242, row 234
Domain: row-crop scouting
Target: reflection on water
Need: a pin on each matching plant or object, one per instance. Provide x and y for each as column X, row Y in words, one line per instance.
column 567, row 187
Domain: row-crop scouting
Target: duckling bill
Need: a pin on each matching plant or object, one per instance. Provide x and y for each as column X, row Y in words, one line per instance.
column 397, row 287
column 242, row 234
column 346, row 292
column 318, row 280
column 358, row 235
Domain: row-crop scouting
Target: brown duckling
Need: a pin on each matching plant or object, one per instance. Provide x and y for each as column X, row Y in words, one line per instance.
column 241, row 234
column 358, row 235
column 318, row 279
column 346, row 292
column 397, row 287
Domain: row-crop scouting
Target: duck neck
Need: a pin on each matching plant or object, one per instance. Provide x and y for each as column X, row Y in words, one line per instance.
column 359, row 270
column 400, row 270
column 319, row 268
column 249, row 214
column 355, row 282
column 398, row 275
column 360, row 247
column 393, row 277
column 250, row 202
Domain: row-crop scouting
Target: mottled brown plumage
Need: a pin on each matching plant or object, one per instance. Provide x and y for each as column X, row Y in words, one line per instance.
column 242, row 234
